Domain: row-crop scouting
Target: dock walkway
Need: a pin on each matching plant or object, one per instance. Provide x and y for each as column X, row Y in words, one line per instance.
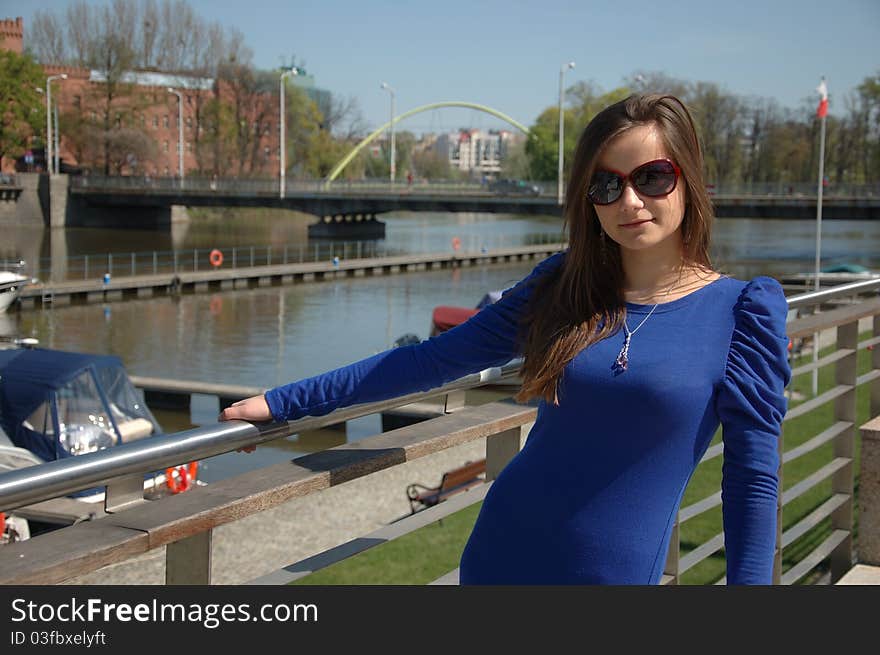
column 146, row 286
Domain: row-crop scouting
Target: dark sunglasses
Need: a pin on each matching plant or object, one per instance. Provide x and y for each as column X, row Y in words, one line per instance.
column 654, row 179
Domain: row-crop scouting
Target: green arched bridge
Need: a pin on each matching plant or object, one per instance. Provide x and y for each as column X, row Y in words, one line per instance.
column 412, row 112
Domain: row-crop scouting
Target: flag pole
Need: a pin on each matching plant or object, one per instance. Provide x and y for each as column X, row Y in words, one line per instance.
column 822, row 112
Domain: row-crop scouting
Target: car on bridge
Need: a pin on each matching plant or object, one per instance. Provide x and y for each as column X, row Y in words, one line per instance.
column 511, row 187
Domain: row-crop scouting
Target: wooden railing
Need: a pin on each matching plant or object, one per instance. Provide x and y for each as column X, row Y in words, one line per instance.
column 185, row 523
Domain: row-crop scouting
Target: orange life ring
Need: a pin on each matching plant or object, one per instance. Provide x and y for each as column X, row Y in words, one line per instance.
column 456, row 243
column 186, row 476
column 216, row 258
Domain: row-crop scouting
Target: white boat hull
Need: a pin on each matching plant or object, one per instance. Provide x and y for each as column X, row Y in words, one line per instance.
column 11, row 285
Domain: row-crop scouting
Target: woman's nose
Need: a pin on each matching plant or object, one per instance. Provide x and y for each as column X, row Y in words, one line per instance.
column 629, row 197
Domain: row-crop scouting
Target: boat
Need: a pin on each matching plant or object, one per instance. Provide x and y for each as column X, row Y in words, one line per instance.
column 831, row 275
column 446, row 317
column 12, row 281
column 56, row 404
column 443, row 318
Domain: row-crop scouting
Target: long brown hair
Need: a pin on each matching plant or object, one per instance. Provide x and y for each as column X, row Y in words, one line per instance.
column 582, row 302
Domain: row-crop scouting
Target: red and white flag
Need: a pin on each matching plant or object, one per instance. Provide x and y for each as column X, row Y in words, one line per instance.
column 822, row 109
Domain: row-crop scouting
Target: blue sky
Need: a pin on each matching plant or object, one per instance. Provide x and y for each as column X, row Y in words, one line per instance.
column 507, row 54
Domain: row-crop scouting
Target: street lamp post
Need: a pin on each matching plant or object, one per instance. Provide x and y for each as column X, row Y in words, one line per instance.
column 179, row 133
column 62, row 76
column 561, row 131
column 388, row 88
column 282, row 162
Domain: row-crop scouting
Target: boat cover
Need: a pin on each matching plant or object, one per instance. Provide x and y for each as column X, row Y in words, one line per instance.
column 56, row 403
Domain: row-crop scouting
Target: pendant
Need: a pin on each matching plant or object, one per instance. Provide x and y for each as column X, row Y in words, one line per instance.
column 623, row 357
column 621, row 361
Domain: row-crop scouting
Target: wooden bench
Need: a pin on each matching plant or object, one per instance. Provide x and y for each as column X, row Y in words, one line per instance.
column 452, row 482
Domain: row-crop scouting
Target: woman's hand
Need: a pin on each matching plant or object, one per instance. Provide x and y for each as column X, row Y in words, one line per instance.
column 254, row 409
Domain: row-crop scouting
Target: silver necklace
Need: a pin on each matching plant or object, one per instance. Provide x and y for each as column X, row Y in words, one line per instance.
column 622, row 360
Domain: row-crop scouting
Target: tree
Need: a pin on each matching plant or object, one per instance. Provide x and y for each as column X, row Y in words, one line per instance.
column 717, row 116
column 516, row 162
column 542, row 146
column 429, row 164
column 22, row 107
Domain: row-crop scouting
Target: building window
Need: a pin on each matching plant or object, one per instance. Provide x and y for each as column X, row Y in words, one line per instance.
column 155, row 122
column 77, row 101
column 166, row 171
column 189, row 146
column 164, row 146
column 189, row 122
column 165, row 121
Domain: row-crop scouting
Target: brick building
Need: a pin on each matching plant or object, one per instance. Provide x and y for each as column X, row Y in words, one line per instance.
column 144, row 117
column 12, row 35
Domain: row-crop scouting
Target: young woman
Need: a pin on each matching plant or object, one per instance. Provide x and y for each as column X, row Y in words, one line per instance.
column 637, row 350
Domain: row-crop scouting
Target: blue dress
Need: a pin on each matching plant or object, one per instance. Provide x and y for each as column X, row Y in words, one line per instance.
column 593, row 495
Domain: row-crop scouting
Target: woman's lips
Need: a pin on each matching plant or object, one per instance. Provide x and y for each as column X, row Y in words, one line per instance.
column 636, row 223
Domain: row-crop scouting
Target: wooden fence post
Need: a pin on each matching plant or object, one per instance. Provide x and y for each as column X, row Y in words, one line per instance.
column 869, row 494
column 188, row 561
column 502, row 447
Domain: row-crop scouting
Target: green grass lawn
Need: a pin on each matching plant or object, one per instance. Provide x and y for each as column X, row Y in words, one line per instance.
column 425, row 554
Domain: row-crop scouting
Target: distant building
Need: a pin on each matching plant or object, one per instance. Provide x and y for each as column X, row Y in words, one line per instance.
column 476, row 151
column 151, row 110
column 12, row 35
column 306, row 82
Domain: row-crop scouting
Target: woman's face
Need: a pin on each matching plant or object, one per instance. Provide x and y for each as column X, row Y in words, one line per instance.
column 637, row 222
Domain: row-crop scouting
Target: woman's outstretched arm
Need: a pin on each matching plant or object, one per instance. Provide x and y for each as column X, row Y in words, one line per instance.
column 489, row 338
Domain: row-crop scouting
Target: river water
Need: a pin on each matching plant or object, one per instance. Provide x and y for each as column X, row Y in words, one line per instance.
column 268, row 336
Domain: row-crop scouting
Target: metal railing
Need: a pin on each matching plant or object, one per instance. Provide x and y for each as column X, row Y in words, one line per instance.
column 270, row 187
column 188, row 555
column 125, row 264
column 66, row 476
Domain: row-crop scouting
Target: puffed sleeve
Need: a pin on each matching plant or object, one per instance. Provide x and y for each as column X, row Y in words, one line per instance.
column 751, row 404
column 489, row 338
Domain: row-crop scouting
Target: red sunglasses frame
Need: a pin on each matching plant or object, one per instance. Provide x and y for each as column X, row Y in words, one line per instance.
column 628, row 178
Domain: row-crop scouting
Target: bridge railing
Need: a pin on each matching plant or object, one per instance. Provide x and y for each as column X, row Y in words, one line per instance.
column 271, row 187
column 816, row 505
column 267, row 186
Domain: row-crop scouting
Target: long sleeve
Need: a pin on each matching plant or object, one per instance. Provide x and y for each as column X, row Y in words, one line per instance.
column 489, row 338
column 751, row 404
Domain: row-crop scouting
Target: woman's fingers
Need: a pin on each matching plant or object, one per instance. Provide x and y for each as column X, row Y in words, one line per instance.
column 253, row 409
column 249, row 409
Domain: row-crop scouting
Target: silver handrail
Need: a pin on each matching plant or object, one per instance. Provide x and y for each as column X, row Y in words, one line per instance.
column 61, row 477
column 52, row 479
column 823, row 295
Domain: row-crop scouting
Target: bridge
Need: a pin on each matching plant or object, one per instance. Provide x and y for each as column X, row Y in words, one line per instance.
column 350, row 209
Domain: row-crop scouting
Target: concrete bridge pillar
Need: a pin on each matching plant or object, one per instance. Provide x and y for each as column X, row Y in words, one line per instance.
column 58, row 185
column 31, row 205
